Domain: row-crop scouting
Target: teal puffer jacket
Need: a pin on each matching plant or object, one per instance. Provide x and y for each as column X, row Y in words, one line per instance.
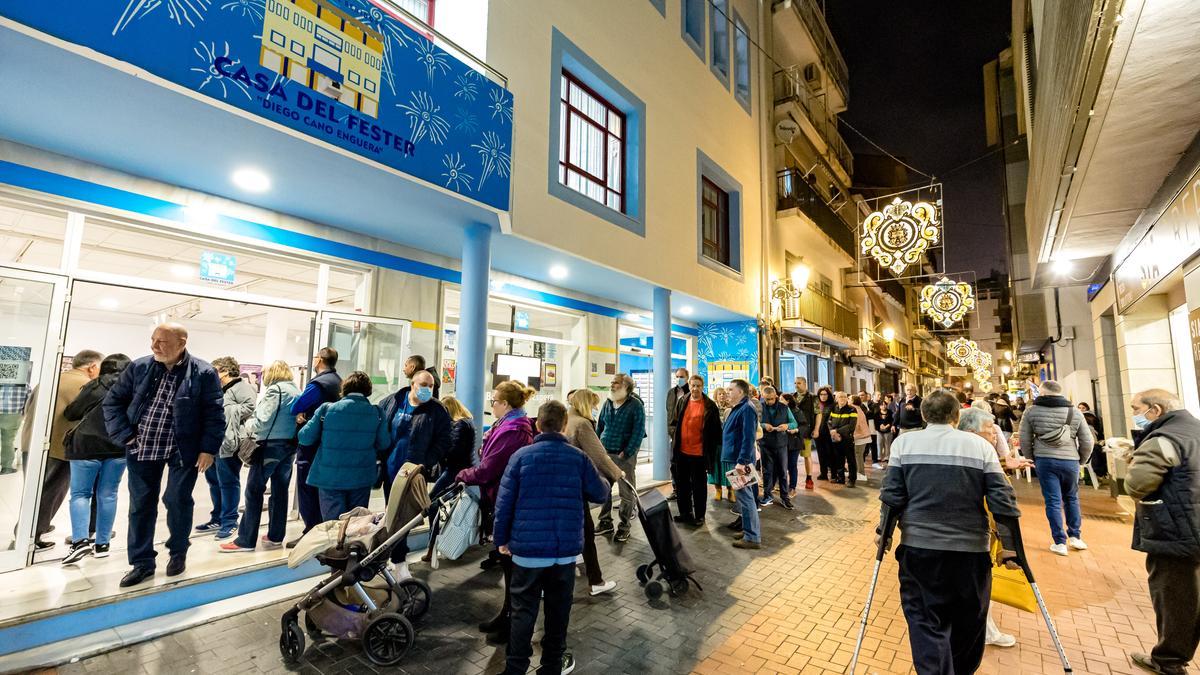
column 349, row 435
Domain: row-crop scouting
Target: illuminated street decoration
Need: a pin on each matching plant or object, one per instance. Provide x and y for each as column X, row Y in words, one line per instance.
column 985, row 386
column 946, row 301
column 900, row 234
column 961, row 350
column 981, row 361
column 983, row 375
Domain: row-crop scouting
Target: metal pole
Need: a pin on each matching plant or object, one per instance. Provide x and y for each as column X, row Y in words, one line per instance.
column 662, row 383
column 472, row 326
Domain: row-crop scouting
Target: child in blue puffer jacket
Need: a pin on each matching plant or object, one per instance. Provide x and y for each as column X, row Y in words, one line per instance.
column 539, row 522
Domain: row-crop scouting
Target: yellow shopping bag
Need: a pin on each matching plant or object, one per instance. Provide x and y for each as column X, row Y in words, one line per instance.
column 1009, row 587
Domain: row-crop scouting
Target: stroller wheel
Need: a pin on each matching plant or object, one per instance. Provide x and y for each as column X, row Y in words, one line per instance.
column 644, row 574
column 414, row 598
column 387, row 639
column 291, row 642
column 679, row 586
column 654, row 589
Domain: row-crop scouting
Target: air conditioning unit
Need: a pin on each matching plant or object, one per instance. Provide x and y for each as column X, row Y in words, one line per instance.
column 814, row 78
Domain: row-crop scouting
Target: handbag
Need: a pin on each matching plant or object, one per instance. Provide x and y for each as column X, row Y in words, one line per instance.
column 1009, row 587
column 461, row 529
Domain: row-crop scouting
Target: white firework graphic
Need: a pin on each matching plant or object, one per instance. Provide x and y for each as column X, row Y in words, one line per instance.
column 502, row 105
column 465, row 121
column 424, row 120
column 251, row 9
column 494, row 155
column 432, row 58
column 179, row 11
column 207, row 53
column 393, row 34
column 455, row 174
column 467, row 87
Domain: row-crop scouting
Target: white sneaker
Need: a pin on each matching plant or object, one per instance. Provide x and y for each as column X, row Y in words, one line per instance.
column 1001, row 640
column 603, row 588
column 876, row 465
column 1076, row 543
column 1060, row 549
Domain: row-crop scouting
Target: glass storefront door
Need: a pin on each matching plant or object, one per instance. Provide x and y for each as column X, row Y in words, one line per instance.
column 31, row 309
column 374, row 345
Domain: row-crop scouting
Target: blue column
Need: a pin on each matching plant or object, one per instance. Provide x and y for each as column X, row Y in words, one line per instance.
column 472, row 328
column 662, row 382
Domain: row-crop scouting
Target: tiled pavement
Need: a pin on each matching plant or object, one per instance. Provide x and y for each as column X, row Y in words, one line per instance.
column 792, row 608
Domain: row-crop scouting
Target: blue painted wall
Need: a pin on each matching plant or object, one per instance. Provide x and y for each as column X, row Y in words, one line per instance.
column 414, row 107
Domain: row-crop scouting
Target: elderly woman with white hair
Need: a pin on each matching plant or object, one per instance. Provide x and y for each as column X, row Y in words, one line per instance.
column 977, row 420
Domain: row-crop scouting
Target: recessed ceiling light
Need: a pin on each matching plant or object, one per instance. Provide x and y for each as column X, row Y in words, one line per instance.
column 1063, row 266
column 686, row 310
column 558, row 272
column 109, row 303
column 251, row 180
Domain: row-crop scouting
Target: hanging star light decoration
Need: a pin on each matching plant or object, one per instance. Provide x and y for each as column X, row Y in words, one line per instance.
column 983, row 375
column 981, row 361
column 961, row 350
column 897, row 236
column 946, row 301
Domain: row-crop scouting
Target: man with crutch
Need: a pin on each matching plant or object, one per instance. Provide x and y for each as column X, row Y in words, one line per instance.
column 937, row 483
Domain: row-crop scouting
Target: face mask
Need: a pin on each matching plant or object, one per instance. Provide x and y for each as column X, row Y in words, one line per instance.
column 424, row 394
column 1140, row 421
column 681, row 382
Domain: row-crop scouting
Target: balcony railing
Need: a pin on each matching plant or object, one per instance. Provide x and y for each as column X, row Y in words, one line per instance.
column 831, row 57
column 900, row 351
column 789, row 86
column 794, row 192
column 822, row 310
column 874, row 344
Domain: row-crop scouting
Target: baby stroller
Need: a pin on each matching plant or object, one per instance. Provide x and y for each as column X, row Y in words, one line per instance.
column 673, row 562
column 361, row 599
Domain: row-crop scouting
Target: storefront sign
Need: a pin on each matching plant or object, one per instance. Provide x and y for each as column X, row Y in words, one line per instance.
column 346, row 72
column 1173, row 238
column 1030, row 357
column 521, row 320
column 217, row 268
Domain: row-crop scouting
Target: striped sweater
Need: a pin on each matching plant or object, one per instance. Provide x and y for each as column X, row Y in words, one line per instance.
column 939, row 478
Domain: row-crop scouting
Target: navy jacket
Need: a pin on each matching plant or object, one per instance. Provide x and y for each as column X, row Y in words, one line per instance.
column 539, row 510
column 737, row 436
column 199, row 405
column 428, row 432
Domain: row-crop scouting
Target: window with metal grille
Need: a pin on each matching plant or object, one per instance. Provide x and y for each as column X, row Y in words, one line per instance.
column 714, row 222
column 591, row 157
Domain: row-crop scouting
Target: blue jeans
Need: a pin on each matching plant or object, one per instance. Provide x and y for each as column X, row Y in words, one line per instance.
column 225, row 487
column 279, row 473
column 84, row 474
column 1059, row 479
column 748, row 505
column 336, row 502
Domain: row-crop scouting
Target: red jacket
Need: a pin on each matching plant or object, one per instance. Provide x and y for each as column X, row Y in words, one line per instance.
column 512, row 433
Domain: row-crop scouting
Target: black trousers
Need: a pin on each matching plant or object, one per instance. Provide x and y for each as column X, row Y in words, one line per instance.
column 691, row 485
column 56, row 483
column 1175, row 593
column 826, row 459
column 557, row 583
column 846, row 457
column 775, row 470
column 145, row 485
column 945, row 596
column 308, row 502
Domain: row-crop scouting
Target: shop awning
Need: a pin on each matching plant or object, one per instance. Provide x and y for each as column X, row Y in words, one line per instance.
column 867, row 362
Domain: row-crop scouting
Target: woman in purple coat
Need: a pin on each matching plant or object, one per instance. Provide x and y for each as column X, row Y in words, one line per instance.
column 511, row 431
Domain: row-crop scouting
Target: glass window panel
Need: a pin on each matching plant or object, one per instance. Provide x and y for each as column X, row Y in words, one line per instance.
column 720, row 35
column 614, row 163
column 615, row 122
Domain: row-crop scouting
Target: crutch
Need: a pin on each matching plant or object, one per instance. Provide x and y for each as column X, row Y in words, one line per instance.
column 887, row 524
column 1014, row 527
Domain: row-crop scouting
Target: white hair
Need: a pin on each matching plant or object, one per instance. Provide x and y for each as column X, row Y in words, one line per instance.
column 1051, row 387
column 974, row 419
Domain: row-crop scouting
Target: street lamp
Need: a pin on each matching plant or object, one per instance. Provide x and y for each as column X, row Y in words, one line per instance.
column 783, row 290
column 1006, row 369
column 889, row 333
column 1007, row 355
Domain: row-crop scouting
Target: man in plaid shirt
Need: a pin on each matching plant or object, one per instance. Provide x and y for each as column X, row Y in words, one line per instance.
column 13, row 399
column 167, row 410
column 621, row 427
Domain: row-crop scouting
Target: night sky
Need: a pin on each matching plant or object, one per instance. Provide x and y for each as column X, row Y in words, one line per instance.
column 916, row 88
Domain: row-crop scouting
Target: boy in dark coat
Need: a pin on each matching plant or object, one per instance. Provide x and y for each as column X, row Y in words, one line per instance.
column 539, row 522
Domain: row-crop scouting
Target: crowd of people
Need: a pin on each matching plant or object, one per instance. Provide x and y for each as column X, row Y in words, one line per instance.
column 940, row 460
